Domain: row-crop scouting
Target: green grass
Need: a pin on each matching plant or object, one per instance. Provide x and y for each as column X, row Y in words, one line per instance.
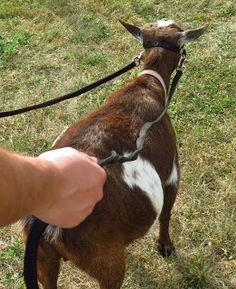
column 48, row 48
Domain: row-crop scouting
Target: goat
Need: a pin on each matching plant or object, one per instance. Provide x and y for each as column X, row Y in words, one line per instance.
column 136, row 193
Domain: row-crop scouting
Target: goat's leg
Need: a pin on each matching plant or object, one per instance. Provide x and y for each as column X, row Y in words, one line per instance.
column 114, row 275
column 165, row 246
column 48, row 265
column 112, row 271
column 107, row 266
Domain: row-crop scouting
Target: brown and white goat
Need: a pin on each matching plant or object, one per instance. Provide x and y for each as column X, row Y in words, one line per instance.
column 136, row 193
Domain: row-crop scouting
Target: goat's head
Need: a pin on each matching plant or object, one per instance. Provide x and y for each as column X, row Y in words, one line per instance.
column 163, row 30
column 165, row 34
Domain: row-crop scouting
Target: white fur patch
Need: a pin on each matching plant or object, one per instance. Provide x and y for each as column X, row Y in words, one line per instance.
column 173, row 178
column 164, row 23
column 51, row 234
column 141, row 173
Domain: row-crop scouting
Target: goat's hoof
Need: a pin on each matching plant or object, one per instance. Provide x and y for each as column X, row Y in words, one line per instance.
column 165, row 250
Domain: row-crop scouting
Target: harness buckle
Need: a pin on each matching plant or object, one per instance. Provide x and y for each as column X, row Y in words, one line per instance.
column 137, row 59
column 183, row 60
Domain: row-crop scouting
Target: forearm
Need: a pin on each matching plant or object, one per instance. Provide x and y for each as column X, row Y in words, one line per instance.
column 23, row 180
column 61, row 187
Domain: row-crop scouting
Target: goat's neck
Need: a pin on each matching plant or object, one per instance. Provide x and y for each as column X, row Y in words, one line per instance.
column 163, row 62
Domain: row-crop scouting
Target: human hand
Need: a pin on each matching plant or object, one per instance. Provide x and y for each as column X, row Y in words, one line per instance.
column 78, row 186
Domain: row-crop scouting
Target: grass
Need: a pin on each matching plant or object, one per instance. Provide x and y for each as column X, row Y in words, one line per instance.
column 48, row 48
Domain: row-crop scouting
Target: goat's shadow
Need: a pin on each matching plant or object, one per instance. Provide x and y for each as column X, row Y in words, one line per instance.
column 144, row 266
column 186, row 274
column 137, row 274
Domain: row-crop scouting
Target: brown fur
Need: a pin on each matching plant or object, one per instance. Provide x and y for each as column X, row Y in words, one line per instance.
column 97, row 245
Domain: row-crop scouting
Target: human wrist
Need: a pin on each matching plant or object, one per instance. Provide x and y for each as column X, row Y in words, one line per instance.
column 27, row 185
column 47, row 177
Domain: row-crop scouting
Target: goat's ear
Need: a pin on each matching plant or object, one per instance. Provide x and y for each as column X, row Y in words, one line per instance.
column 191, row 35
column 135, row 31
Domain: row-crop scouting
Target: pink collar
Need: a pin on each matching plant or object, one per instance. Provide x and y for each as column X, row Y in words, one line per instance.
column 157, row 76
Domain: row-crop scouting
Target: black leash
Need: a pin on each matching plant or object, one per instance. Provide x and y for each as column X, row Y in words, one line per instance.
column 87, row 88
column 179, row 72
column 38, row 227
column 135, row 62
column 30, row 258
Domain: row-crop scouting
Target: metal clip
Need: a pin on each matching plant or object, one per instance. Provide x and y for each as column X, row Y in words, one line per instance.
column 183, row 59
column 137, row 59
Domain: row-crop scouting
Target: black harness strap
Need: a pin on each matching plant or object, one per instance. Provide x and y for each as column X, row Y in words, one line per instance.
column 163, row 44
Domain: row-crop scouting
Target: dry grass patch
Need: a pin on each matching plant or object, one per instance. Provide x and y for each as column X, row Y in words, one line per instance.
column 48, row 48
